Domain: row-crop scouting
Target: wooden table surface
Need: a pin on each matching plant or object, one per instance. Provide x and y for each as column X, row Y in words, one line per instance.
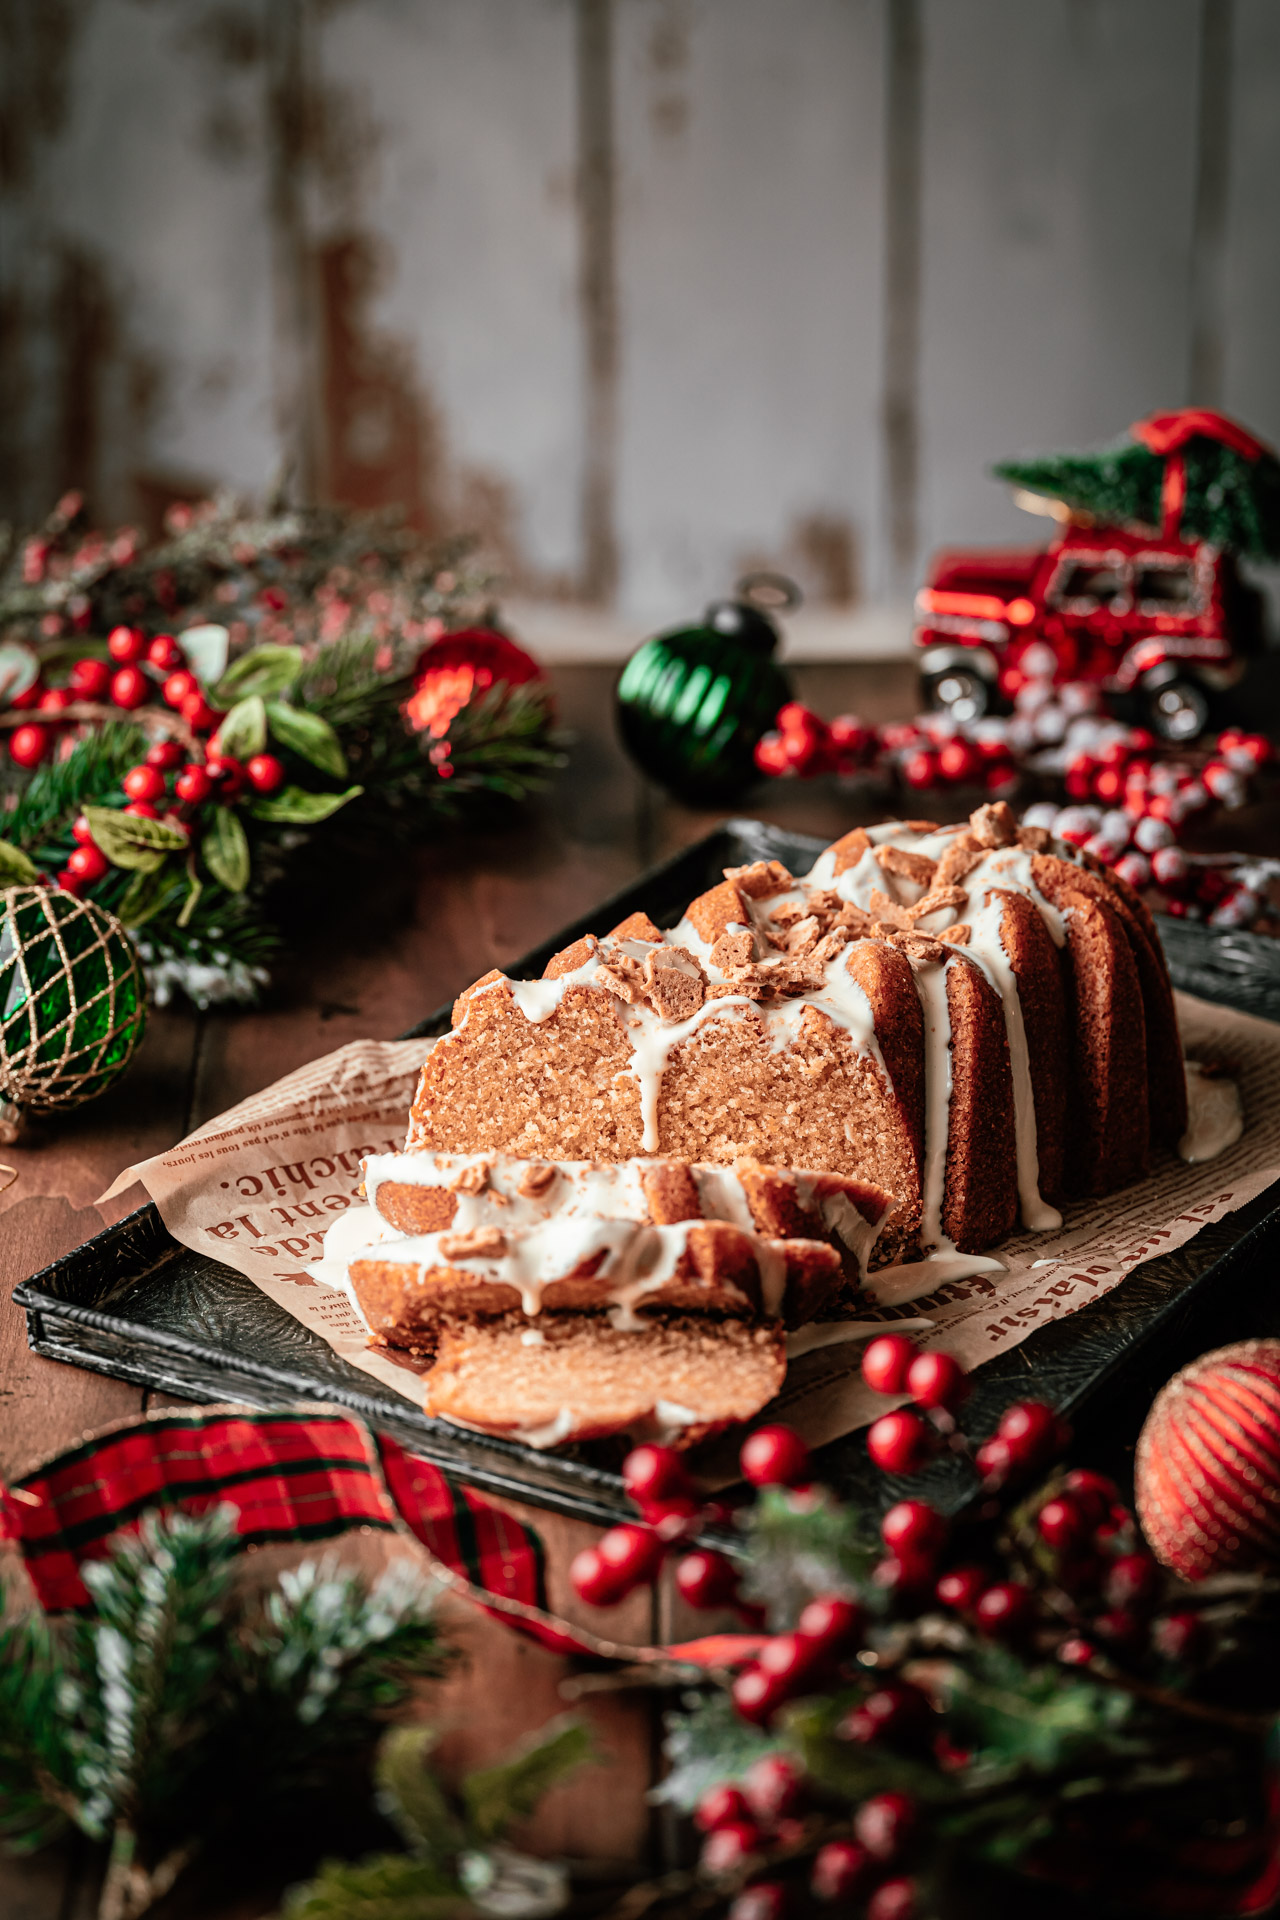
column 373, row 945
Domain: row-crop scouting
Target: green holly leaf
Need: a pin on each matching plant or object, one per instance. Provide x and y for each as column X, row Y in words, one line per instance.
column 308, row 735
column 295, row 807
column 206, row 649
column 226, row 850
column 411, row 1797
column 497, row 1797
column 265, row 671
column 145, row 894
column 244, row 731
column 131, row 842
column 16, row 870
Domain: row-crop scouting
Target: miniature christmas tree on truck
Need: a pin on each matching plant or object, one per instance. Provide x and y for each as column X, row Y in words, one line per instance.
column 1140, row 590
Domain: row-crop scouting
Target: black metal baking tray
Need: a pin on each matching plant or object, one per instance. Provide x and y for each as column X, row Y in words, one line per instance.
column 133, row 1303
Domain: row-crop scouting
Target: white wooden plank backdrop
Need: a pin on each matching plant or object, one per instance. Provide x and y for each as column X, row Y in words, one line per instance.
column 647, row 290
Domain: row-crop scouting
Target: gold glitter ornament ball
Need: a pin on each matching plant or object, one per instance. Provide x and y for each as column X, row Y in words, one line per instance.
column 73, row 1001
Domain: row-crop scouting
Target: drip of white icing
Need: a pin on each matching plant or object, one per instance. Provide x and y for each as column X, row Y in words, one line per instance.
column 1215, row 1116
column 931, row 982
column 721, row 1195
column 841, row 1217
column 652, row 1041
column 892, row 1286
column 986, row 944
column 539, row 999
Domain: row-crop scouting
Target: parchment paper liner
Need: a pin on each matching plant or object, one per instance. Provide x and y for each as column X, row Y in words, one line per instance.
column 256, row 1188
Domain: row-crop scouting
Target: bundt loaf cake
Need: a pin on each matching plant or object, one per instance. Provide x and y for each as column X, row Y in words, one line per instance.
column 449, row 1237
column 976, row 1020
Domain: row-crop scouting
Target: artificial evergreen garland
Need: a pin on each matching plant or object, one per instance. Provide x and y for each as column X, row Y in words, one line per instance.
column 931, row 1720
column 180, row 1711
column 177, row 715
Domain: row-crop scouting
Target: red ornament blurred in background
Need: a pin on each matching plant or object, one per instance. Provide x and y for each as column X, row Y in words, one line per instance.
column 462, row 667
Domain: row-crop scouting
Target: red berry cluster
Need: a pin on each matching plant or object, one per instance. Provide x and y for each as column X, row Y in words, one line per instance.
column 743, row 1824
column 167, row 784
column 930, row 752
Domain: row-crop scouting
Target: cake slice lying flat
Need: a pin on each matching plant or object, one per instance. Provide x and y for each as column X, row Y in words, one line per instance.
column 582, row 1379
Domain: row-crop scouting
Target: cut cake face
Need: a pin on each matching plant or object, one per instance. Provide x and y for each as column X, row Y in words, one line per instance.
column 967, row 1017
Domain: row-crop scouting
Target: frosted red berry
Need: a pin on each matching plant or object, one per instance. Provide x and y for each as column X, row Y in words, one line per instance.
column 144, row 783
column 179, row 687
column 840, row 1869
column 90, row 679
column 885, row 1823
column 763, row 1900
column 937, row 1380
column 125, row 645
column 264, row 773
column 913, row 1528
column 633, row 1553
column 1063, row 1524
column 705, row 1578
column 900, row 1442
column 28, row 745
column 54, row 700
column 197, row 713
column 1092, row 1492
column 895, row 1899
column 789, row 1659
column 894, row 1713
column 1180, row 1637
column 757, row 1695
column 193, row 785
column 1133, row 1581
column 1005, row 1609
column 994, row 1461
column 130, row 688
column 165, row 653
column 774, row 1787
column 87, row 864
column 729, row 1847
column 649, row 1474
column 775, row 1457
column 594, row 1581
column 1030, row 1431
column 1075, row 1651
column 143, row 810
column 166, row 755
column 835, row 1624
column 886, row 1362
column 960, row 1587
column 721, row 1806
column 81, row 831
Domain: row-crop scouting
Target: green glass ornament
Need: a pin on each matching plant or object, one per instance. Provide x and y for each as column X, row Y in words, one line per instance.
column 692, row 703
column 73, row 1002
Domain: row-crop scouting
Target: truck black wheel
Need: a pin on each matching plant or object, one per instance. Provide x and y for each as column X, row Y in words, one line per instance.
column 959, row 691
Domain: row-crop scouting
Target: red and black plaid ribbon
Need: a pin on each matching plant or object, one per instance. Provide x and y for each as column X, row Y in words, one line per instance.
column 305, row 1474
column 302, row 1475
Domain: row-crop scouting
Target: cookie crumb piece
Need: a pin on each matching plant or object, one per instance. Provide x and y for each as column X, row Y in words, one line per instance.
column 994, row 825
column 481, row 1243
column 535, row 1180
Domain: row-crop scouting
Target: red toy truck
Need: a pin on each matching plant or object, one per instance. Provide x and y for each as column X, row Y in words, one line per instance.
column 1166, row 622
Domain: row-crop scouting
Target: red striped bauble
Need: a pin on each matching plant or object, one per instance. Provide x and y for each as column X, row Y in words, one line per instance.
column 1207, row 1476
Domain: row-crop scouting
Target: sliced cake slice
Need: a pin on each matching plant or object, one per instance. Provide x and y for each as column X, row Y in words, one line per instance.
column 577, row 1378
